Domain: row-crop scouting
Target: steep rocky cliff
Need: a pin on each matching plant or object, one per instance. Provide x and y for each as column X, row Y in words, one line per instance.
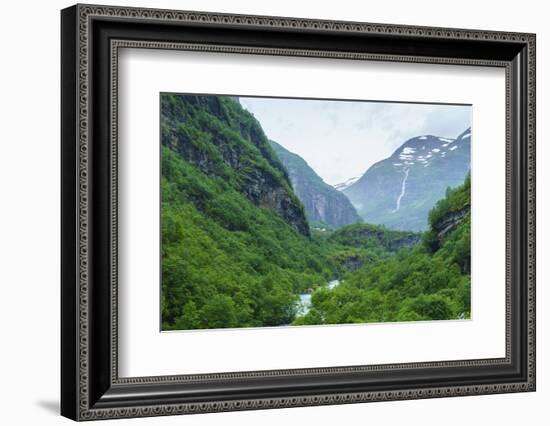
column 323, row 204
column 367, row 235
column 450, row 221
column 215, row 134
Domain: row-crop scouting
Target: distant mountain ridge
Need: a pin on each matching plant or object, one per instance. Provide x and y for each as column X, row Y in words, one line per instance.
column 322, row 203
column 346, row 184
column 398, row 192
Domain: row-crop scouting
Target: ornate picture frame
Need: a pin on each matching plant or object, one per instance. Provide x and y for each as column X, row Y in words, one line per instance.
column 91, row 37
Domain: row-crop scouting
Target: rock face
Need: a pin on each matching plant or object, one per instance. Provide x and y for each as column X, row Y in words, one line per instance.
column 398, row 192
column 450, row 221
column 405, row 241
column 322, row 203
column 352, row 262
column 215, row 134
column 265, row 191
column 365, row 235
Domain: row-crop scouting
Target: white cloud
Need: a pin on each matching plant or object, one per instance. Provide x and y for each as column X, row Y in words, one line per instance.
column 342, row 139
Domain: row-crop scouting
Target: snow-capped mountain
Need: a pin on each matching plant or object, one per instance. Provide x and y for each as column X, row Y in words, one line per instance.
column 343, row 185
column 400, row 191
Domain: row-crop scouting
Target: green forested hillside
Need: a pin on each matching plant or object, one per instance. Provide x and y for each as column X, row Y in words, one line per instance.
column 430, row 281
column 221, row 139
column 237, row 250
column 366, row 235
column 226, row 262
column 234, row 249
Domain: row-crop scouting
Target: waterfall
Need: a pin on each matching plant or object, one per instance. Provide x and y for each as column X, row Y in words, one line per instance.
column 403, row 186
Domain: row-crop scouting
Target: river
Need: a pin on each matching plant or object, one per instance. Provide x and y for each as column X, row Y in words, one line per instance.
column 304, row 304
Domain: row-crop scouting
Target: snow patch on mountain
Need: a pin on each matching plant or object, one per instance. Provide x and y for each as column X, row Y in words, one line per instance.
column 413, row 153
column 420, row 169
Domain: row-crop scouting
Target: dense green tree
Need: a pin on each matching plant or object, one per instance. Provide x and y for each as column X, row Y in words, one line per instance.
column 430, row 281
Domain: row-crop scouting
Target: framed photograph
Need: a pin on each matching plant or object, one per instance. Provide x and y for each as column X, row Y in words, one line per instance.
column 263, row 212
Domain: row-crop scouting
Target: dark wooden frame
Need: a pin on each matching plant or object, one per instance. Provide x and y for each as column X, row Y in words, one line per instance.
column 90, row 386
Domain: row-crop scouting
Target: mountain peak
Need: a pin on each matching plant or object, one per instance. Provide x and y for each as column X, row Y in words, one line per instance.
column 399, row 191
column 423, row 149
column 465, row 134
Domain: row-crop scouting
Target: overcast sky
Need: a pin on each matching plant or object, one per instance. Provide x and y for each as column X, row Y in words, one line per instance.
column 342, row 139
